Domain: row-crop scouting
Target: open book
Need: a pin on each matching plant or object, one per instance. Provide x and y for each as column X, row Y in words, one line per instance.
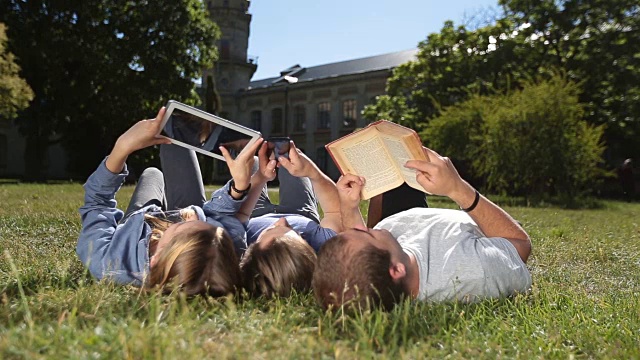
column 378, row 153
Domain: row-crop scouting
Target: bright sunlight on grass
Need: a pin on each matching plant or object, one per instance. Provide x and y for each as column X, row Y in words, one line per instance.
column 584, row 302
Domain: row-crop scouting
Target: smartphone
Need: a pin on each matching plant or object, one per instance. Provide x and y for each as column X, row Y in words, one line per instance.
column 202, row 132
column 278, row 146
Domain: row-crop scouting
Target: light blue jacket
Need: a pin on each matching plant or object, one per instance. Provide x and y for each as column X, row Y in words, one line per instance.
column 120, row 251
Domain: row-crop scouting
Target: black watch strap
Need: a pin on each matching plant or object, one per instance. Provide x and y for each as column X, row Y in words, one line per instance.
column 242, row 192
column 475, row 203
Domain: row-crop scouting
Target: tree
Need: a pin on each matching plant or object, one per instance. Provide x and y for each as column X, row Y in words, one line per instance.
column 451, row 65
column 533, row 142
column 213, row 105
column 98, row 66
column 596, row 42
column 15, row 93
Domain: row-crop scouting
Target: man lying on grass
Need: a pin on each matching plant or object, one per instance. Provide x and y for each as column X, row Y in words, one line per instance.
column 424, row 253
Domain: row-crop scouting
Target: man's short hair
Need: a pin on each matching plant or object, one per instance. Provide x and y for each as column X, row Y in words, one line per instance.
column 361, row 279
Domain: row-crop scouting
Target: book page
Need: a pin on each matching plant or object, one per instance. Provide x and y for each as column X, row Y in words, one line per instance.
column 393, row 129
column 367, row 157
column 400, row 153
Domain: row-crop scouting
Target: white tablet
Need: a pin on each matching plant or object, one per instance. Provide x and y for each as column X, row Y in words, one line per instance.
column 203, row 132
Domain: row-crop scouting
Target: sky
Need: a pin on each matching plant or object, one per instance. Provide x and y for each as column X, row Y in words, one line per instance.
column 309, row 33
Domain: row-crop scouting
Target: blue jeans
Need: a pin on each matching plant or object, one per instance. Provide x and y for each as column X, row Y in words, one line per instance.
column 177, row 186
column 296, row 197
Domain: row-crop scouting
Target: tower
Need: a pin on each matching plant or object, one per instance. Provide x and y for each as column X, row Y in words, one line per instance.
column 234, row 69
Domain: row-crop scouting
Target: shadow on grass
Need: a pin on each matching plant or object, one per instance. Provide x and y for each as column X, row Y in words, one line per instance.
column 584, row 203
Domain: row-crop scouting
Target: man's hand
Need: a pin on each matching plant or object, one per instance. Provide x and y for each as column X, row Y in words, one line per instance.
column 298, row 164
column 437, row 176
column 240, row 167
column 349, row 190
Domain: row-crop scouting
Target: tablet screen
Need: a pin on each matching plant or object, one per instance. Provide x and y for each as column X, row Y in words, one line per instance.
column 203, row 135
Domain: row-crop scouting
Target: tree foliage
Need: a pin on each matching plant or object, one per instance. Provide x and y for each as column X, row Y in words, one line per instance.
column 596, row 42
column 15, row 93
column 98, row 66
column 531, row 142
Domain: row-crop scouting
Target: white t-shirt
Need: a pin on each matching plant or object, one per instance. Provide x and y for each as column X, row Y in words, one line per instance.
column 455, row 259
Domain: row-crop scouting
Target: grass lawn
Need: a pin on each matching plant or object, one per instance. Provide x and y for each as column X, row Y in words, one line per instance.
column 585, row 301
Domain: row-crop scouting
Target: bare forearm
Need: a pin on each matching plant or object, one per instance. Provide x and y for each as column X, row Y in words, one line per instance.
column 351, row 217
column 493, row 220
column 326, row 192
column 117, row 158
column 252, row 199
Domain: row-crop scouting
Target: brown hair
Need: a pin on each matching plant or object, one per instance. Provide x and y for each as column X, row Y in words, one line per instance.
column 286, row 264
column 197, row 262
column 354, row 280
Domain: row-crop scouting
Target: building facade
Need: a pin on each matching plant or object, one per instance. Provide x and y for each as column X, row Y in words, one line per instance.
column 312, row 105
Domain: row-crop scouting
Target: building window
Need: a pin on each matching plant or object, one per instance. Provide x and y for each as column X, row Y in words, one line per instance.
column 3, row 151
column 321, row 158
column 256, row 120
column 276, row 121
column 225, row 50
column 225, row 3
column 349, row 113
column 300, row 118
column 324, row 115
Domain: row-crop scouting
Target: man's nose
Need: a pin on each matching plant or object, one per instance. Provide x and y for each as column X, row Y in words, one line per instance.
column 282, row 222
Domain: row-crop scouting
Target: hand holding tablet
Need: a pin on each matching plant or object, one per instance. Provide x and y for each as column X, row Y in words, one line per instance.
column 202, row 132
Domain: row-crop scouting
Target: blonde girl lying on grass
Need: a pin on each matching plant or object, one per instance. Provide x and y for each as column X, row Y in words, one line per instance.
column 169, row 237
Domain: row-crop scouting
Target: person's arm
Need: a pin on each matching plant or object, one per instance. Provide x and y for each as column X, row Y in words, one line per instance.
column 439, row 177
column 97, row 246
column 300, row 165
column 266, row 172
column 349, row 190
column 142, row 134
column 226, row 200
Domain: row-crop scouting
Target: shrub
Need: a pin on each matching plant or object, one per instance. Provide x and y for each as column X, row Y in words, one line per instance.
column 531, row 142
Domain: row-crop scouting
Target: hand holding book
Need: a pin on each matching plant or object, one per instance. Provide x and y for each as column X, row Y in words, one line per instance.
column 378, row 153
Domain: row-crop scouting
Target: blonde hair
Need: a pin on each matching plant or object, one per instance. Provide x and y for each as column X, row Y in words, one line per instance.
column 197, row 262
column 287, row 264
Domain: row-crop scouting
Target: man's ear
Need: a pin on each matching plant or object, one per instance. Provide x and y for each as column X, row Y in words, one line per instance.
column 397, row 270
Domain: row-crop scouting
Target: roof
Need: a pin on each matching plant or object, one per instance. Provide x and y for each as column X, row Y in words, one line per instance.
column 355, row 66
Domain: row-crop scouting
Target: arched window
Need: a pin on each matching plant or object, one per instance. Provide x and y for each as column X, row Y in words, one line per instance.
column 300, row 118
column 324, row 115
column 256, row 120
column 321, row 158
column 349, row 115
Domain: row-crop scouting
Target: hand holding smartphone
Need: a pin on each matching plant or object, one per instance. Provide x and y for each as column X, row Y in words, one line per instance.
column 278, row 146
